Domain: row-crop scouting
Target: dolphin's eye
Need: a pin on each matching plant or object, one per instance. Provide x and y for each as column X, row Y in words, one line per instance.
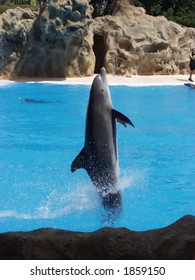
column 102, row 90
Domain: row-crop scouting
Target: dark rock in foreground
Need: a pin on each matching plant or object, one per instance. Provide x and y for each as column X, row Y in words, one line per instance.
column 176, row 241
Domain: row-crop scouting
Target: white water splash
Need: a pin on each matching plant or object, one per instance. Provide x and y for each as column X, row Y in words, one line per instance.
column 83, row 198
column 14, row 214
column 80, row 199
column 133, row 178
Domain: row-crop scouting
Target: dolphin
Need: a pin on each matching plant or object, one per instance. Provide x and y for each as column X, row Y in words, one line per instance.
column 99, row 157
column 190, row 85
column 32, row 100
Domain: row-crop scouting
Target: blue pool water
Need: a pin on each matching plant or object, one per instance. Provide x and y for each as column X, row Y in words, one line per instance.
column 38, row 142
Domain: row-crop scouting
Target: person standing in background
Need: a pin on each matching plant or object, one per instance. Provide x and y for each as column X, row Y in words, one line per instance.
column 192, row 64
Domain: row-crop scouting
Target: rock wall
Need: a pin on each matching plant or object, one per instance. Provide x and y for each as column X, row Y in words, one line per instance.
column 62, row 40
column 132, row 42
column 175, row 242
column 55, row 42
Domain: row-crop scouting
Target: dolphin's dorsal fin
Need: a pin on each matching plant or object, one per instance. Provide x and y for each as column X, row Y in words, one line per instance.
column 121, row 118
column 79, row 161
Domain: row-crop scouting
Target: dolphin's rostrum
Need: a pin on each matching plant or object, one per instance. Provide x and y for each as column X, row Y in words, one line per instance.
column 99, row 157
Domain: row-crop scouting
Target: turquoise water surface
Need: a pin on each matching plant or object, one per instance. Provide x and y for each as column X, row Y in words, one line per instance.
column 38, row 142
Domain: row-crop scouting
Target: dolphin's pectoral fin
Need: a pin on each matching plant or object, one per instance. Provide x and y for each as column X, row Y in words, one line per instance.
column 79, row 161
column 121, row 118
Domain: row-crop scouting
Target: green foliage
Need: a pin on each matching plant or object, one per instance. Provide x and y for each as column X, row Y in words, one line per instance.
column 7, row 4
column 10, row 3
column 3, row 8
column 33, row 3
column 182, row 12
column 102, row 7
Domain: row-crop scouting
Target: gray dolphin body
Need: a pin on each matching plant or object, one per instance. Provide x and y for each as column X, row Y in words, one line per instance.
column 99, row 156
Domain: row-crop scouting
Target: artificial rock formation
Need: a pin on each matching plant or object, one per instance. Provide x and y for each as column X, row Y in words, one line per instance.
column 133, row 42
column 54, row 42
column 62, row 40
column 175, row 242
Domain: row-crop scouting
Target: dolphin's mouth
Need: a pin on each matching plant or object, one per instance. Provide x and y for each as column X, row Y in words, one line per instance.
column 103, row 75
column 104, row 80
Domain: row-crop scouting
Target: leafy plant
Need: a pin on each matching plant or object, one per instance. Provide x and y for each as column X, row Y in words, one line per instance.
column 102, row 7
column 182, row 12
column 7, row 4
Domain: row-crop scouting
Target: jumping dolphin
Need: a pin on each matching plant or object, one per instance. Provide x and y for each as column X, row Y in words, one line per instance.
column 99, row 157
